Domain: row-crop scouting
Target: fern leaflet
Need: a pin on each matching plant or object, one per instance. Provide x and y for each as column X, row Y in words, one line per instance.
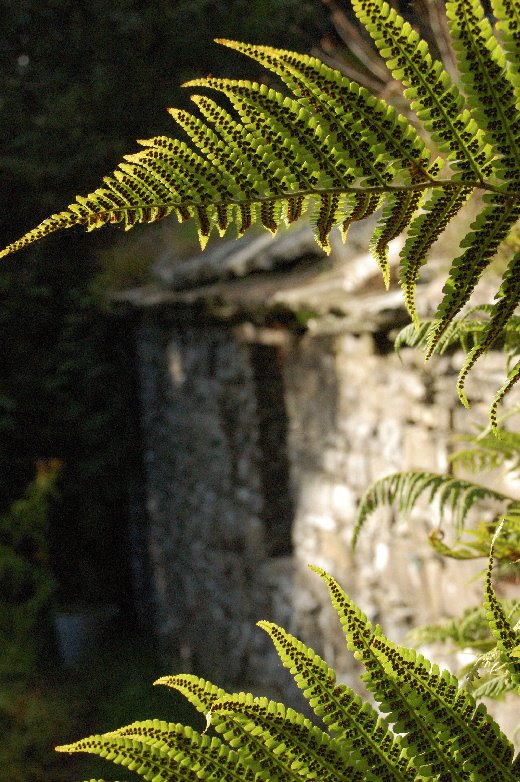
column 404, row 489
column 507, row 639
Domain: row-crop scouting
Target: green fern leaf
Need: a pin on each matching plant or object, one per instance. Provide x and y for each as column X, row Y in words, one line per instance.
column 396, row 216
column 512, row 378
column 431, row 731
column 508, row 299
column 166, row 750
column 199, row 692
column 482, row 65
column 424, row 230
column 346, row 716
column 436, row 101
column 507, row 15
column 326, row 93
column 303, row 748
column 474, row 736
column 469, row 630
column 252, row 749
column 495, row 687
column 490, row 451
column 404, row 489
column 362, row 205
column 488, row 230
column 506, row 637
column 204, row 696
column 465, row 330
column 469, row 331
column 336, row 153
column 428, row 749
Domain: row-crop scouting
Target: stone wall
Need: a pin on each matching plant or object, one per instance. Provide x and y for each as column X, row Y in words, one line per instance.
column 261, row 435
column 356, row 415
column 218, row 500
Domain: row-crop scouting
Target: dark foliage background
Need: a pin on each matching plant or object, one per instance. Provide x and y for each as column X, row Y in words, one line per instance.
column 79, row 82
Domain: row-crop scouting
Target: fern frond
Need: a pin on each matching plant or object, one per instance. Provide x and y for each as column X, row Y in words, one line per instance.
column 505, row 636
column 396, row 216
column 425, row 228
column 404, row 489
column 474, row 736
column 201, row 693
column 513, row 377
column 470, row 330
column 333, row 151
column 433, row 97
column 482, row 65
column 432, row 730
column 428, row 749
column 491, row 449
column 346, row 716
column 164, row 751
column 252, row 748
column 495, row 686
column 477, row 540
column 469, row 630
column 362, row 205
column 303, row 748
column 326, row 93
column 487, row 676
column 487, row 232
column 465, row 330
column 507, row 15
column 508, row 299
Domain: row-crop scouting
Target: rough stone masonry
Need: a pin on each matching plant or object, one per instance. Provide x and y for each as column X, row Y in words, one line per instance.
column 271, row 398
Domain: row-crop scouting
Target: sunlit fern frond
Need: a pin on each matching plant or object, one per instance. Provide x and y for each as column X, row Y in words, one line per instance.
column 475, row 331
column 486, row 676
column 326, row 147
column 506, row 636
column 425, row 726
column 487, row 753
column 426, row 747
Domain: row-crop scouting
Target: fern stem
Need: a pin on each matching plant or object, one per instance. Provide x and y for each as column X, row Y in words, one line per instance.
column 324, row 191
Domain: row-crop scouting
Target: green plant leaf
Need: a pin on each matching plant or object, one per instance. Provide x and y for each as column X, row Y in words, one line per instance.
column 405, row 488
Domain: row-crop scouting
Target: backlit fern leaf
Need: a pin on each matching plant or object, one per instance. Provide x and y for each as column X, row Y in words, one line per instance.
column 431, row 729
column 507, row 639
column 430, row 749
column 335, row 152
column 205, row 696
column 160, row 747
column 436, row 101
column 486, row 676
column 466, row 330
column 491, row 93
column 508, row 299
column 305, row 749
column 346, row 716
column 491, row 448
column 487, row 232
column 476, row 330
column 473, row 737
column 424, row 230
column 507, row 15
